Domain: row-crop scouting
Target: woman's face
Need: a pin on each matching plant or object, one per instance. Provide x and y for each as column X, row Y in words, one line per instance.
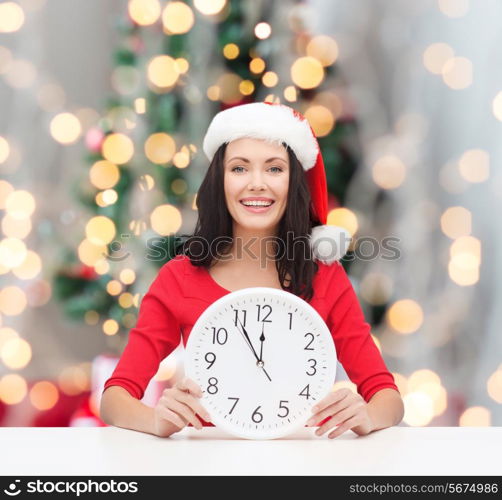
column 253, row 169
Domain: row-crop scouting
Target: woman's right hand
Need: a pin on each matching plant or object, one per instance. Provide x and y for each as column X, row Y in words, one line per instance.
column 178, row 406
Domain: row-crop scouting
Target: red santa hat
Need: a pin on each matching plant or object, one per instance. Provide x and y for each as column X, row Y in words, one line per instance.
column 278, row 122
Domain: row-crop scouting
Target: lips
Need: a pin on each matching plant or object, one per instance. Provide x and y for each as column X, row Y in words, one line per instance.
column 271, row 203
column 257, row 209
column 266, row 200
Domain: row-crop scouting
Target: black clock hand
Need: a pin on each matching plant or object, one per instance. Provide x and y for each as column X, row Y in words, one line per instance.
column 262, row 338
column 249, row 343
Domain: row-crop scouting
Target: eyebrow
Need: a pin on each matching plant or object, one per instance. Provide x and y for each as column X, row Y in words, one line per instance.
column 245, row 160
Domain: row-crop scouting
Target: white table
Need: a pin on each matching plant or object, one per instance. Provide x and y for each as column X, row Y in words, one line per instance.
column 454, row 451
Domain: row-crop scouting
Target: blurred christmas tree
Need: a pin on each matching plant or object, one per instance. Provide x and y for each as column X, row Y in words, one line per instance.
column 177, row 65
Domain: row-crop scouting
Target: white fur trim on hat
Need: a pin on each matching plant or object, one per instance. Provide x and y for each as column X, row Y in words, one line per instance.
column 262, row 121
column 329, row 243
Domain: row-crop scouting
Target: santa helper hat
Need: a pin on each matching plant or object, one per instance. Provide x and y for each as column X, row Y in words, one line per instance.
column 270, row 121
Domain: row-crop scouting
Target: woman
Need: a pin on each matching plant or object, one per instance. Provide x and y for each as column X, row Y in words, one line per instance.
column 262, row 206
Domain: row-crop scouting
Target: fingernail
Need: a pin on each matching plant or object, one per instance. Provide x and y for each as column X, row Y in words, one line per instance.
column 310, row 423
column 318, row 432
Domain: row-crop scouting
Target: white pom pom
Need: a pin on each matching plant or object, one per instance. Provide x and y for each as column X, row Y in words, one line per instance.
column 329, row 243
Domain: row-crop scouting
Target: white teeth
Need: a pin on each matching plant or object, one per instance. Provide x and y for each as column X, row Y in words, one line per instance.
column 256, row 203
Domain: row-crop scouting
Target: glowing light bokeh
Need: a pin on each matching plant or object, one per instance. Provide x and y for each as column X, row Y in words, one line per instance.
column 144, row 12
column 11, row 17
column 418, row 409
column 210, row 7
column 389, row 172
column 12, row 300
column 65, row 128
column 16, row 353
column 104, row 174
column 345, row 218
column 177, row 18
column 165, row 219
column 436, row 55
column 163, row 71
column 457, row 73
column 405, row 316
column 160, row 148
column 44, row 395
column 454, row 8
column 456, row 222
column 117, row 148
column 262, row 30
column 307, row 72
column 110, row 327
column 323, row 48
column 100, row 230
column 474, row 165
column 20, row 204
column 475, row 416
column 13, row 389
column 321, row 119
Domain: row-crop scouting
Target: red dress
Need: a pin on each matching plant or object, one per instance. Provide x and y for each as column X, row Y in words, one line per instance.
column 181, row 292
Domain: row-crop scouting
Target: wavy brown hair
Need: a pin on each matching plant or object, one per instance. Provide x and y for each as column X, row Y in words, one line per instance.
column 213, row 231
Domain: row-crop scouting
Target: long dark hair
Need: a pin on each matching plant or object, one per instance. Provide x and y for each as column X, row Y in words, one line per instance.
column 213, row 231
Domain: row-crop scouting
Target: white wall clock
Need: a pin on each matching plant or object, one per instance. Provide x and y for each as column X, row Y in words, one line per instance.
column 262, row 357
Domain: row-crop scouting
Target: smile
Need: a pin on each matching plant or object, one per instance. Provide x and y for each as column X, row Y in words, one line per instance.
column 257, row 209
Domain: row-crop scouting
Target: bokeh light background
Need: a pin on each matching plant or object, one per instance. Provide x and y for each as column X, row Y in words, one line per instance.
column 422, row 81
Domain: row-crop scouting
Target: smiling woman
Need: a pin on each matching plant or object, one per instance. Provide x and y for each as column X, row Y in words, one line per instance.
column 255, row 204
column 262, row 210
column 260, row 186
column 266, row 151
column 253, row 241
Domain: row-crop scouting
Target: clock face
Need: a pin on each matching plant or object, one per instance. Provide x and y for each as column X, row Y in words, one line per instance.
column 262, row 357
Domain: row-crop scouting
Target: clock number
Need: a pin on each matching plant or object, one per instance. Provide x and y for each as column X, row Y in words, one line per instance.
column 307, row 347
column 219, row 336
column 212, row 387
column 232, row 409
column 259, row 416
column 305, row 392
column 290, row 320
column 210, row 361
column 244, row 312
column 265, row 320
column 283, row 407
column 313, row 368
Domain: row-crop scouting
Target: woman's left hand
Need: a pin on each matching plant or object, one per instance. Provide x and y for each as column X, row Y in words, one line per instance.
column 347, row 410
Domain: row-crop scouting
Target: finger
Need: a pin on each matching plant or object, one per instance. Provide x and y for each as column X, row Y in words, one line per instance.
column 338, row 419
column 327, row 412
column 189, row 385
column 185, row 412
column 342, row 416
column 331, row 398
column 194, row 405
column 352, row 422
column 172, row 417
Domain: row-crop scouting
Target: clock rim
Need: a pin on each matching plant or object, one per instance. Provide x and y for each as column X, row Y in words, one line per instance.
column 284, row 431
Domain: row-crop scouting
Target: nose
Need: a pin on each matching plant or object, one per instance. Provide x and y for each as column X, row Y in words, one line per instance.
column 256, row 181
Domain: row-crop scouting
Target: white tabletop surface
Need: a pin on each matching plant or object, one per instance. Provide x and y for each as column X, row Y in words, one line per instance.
column 453, row 451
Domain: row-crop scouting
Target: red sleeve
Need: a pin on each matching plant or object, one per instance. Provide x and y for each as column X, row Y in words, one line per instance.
column 355, row 348
column 155, row 336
